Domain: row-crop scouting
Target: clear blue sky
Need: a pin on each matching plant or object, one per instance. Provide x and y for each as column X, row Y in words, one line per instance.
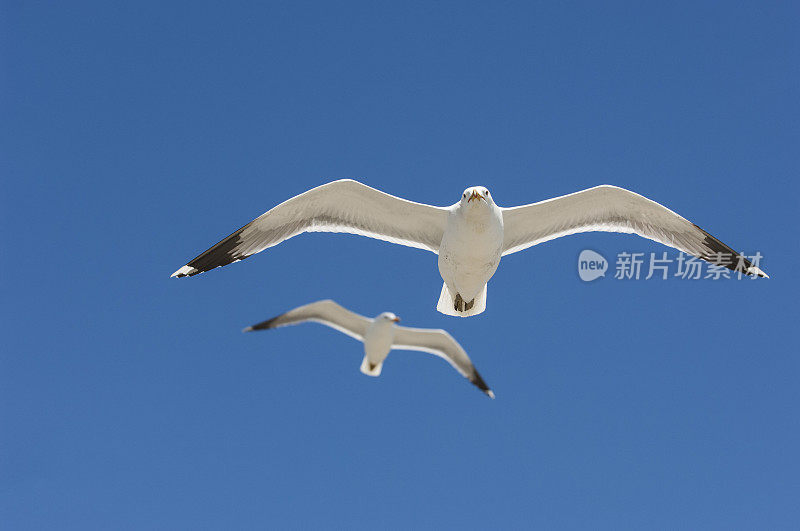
column 135, row 136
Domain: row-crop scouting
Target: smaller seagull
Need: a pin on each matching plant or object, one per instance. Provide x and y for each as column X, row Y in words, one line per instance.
column 380, row 335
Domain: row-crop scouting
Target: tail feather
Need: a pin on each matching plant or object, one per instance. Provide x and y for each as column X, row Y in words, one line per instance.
column 447, row 303
column 369, row 369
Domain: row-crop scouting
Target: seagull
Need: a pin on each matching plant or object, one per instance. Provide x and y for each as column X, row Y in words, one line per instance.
column 380, row 335
column 470, row 236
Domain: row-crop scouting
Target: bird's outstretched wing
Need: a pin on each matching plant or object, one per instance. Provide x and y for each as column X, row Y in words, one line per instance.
column 442, row 344
column 339, row 206
column 324, row 312
column 612, row 209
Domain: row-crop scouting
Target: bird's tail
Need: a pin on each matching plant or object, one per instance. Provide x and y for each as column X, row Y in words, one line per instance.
column 369, row 369
column 452, row 304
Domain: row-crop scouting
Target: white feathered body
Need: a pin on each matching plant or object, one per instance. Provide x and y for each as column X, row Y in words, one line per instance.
column 377, row 344
column 470, row 253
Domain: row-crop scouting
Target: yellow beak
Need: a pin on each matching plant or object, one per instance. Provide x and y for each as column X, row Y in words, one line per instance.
column 475, row 195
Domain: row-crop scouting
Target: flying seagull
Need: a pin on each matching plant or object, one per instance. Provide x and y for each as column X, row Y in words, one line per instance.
column 470, row 236
column 380, row 335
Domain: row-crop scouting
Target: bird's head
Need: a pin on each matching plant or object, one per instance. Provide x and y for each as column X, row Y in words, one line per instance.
column 476, row 195
column 389, row 317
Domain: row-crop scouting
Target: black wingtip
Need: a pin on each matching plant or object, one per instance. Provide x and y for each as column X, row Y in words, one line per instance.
column 721, row 254
column 264, row 325
column 225, row 252
column 480, row 384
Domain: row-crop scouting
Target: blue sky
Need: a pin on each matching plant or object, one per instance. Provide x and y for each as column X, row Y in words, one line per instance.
column 135, row 136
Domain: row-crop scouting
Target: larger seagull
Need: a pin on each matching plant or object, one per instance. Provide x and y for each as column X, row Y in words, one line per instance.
column 470, row 236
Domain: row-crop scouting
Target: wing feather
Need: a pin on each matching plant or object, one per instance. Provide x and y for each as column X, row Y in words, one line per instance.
column 612, row 209
column 339, row 206
column 325, row 312
column 441, row 344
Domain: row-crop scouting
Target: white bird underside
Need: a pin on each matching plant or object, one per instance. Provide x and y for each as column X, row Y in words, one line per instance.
column 432, row 341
